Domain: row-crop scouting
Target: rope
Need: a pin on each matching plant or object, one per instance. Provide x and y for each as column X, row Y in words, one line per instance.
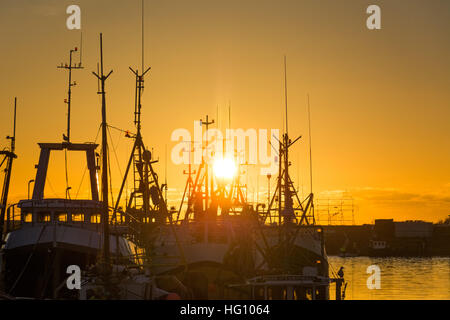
column 85, row 168
column 110, row 177
column 51, row 187
column 118, row 129
column 115, row 154
column 67, row 174
column 120, row 170
column 28, row 261
column 81, row 182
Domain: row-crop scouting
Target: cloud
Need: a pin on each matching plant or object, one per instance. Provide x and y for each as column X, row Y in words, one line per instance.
column 391, row 196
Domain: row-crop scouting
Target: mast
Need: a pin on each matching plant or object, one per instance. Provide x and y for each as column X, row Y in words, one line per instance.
column 9, row 157
column 303, row 211
column 311, row 195
column 189, row 187
column 206, row 124
column 105, row 211
column 287, row 191
column 146, row 183
column 310, row 148
column 69, row 67
column 144, row 174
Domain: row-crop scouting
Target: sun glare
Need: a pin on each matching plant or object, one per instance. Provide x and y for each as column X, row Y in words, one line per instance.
column 224, row 168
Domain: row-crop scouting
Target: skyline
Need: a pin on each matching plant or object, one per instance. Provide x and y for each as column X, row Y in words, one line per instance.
column 380, row 104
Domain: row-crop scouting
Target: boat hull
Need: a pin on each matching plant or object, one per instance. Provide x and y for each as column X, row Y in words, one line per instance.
column 35, row 258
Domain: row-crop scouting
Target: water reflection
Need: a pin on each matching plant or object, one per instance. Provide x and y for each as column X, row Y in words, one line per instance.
column 401, row 278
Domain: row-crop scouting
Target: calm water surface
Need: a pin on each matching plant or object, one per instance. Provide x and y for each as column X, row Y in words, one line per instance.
column 401, row 278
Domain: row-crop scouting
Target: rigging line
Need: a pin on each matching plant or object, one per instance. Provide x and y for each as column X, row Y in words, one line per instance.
column 65, row 167
column 3, row 161
column 229, row 115
column 51, row 187
column 115, row 147
column 333, row 271
column 115, row 153
column 165, row 174
column 120, row 170
column 28, row 260
column 118, row 129
column 81, row 182
column 112, row 142
column 85, row 167
column 81, row 47
column 310, row 148
column 110, row 177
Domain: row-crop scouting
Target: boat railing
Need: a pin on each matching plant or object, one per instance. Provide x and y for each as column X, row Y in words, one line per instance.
column 13, row 219
column 290, row 287
column 83, row 213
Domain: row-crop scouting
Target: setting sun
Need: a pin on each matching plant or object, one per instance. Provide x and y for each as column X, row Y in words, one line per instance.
column 224, row 168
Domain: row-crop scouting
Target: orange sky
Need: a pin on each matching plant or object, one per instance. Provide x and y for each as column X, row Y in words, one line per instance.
column 379, row 99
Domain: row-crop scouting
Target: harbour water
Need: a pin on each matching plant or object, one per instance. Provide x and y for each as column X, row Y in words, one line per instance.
column 401, row 278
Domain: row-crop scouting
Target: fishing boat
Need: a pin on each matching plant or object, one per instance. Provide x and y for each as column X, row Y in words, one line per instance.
column 223, row 247
column 231, row 247
column 44, row 236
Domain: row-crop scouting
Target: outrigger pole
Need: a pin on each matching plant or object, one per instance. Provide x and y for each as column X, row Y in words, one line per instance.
column 9, row 156
column 105, row 211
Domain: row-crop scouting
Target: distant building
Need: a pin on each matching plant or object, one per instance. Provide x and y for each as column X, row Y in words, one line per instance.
column 384, row 229
column 413, row 229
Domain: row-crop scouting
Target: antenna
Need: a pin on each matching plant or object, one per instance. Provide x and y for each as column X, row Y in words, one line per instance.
column 142, row 31
column 66, row 137
column 285, row 93
column 229, row 114
column 298, row 171
column 13, row 139
column 81, row 48
column 98, row 80
column 165, row 174
column 139, row 91
column 257, row 188
column 140, row 78
column 310, row 148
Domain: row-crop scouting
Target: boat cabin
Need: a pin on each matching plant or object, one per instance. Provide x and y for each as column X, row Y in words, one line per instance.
column 39, row 210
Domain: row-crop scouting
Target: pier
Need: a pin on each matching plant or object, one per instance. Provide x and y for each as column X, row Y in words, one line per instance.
column 387, row 237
